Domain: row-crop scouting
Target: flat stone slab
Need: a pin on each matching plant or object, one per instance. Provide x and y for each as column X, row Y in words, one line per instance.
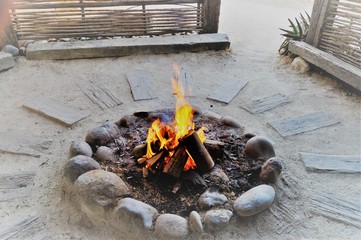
column 6, row 61
column 127, row 46
column 305, row 123
column 267, row 103
column 336, row 209
column 141, row 85
column 336, row 163
column 29, row 227
column 227, row 90
column 18, row 143
column 100, row 95
column 56, row 110
column 16, row 185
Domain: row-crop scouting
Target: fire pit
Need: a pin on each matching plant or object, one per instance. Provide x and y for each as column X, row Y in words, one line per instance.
column 168, row 165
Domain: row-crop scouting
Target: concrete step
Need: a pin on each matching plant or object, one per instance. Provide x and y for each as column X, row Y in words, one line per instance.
column 127, row 46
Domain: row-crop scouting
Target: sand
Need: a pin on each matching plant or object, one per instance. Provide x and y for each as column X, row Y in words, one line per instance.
column 253, row 30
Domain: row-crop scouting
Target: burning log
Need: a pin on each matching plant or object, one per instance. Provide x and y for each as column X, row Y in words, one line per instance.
column 177, row 162
column 153, row 160
column 198, row 152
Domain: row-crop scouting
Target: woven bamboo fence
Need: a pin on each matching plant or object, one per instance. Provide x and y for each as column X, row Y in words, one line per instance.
column 336, row 28
column 44, row 19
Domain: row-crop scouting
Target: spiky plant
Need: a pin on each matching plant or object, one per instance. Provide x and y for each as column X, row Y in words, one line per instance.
column 298, row 32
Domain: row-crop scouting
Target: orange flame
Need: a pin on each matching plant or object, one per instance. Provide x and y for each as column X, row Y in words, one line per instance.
column 168, row 136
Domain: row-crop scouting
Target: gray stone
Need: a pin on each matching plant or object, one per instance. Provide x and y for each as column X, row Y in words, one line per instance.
column 195, row 223
column 6, row 61
column 230, row 122
column 171, row 226
column 259, row 147
column 270, row 170
column 11, row 50
column 102, row 135
column 80, row 147
column 105, row 154
column 133, row 213
column 218, row 175
column 78, row 165
column 97, row 137
column 98, row 191
column 254, row 200
column 216, row 220
column 211, row 199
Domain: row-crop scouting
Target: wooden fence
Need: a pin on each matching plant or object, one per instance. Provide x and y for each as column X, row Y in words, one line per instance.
column 336, row 28
column 44, row 19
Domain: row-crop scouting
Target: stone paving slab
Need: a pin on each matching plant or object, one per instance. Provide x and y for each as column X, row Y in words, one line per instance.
column 305, row 123
column 267, row 103
column 336, row 163
column 127, row 46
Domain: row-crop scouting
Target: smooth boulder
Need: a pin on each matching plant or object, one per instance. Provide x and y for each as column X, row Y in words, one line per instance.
column 259, row 147
column 171, row 226
column 216, row 220
column 79, row 165
column 254, row 200
column 133, row 213
column 211, row 199
column 80, row 147
column 98, row 192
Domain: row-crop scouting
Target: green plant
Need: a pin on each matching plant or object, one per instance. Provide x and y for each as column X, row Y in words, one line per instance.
column 298, row 32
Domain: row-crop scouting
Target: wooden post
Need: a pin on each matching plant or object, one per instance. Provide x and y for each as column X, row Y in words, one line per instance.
column 211, row 10
column 318, row 17
column 7, row 32
column 198, row 152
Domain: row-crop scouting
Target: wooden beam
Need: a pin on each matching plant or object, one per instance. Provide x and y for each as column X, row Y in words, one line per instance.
column 211, row 11
column 346, row 72
column 318, row 16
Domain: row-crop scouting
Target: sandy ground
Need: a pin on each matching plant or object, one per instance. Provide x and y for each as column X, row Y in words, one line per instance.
column 253, row 29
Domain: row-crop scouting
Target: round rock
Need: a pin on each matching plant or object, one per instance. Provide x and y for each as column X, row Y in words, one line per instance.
column 211, row 199
column 99, row 190
column 270, row 170
column 254, row 200
column 11, row 49
column 259, row 147
column 230, row 122
column 218, row 175
column 105, row 154
column 171, row 226
column 134, row 213
column 300, row 65
column 78, row 165
column 80, row 147
column 97, row 136
column 195, row 223
column 216, row 220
